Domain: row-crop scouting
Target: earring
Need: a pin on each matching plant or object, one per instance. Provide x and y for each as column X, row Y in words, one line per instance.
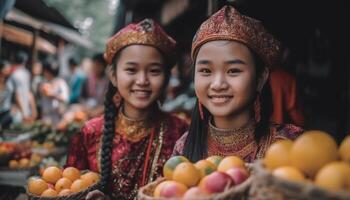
column 201, row 114
column 117, row 99
column 257, row 108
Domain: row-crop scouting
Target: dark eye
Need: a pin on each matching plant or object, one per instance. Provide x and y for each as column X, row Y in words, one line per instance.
column 130, row 70
column 234, row 71
column 156, row 71
column 204, row 71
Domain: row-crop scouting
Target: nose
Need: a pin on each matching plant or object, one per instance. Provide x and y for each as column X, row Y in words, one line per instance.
column 142, row 79
column 219, row 83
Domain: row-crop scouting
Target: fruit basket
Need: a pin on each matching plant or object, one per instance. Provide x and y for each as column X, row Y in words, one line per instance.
column 62, row 184
column 266, row 186
column 214, row 178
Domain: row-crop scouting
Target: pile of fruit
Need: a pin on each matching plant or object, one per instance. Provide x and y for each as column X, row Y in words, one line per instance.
column 201, row 179
column 315, row 158
column 61, row 182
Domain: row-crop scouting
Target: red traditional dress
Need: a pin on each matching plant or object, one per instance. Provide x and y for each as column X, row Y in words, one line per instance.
column 132, row 142
column 240, row 142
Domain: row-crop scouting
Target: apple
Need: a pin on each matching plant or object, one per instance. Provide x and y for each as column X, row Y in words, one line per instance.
column 194, row 192
column 216, row 182
column 172, row 189
column 238, row 174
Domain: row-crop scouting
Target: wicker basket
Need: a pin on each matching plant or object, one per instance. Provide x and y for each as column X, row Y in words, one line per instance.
column 265, row 186
column 239, row 192
column 74, row 196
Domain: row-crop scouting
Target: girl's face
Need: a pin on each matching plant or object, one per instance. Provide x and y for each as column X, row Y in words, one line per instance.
column 225, row 78
column 140, row 76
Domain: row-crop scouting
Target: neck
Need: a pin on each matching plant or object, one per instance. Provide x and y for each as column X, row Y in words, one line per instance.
column 134, row 113
column 232, row 122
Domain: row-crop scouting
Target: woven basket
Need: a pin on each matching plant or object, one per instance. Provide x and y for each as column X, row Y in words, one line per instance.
column 239, row 192
column 75, row 196
column 265, row 186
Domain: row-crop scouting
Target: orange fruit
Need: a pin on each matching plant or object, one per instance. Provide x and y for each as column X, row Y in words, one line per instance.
column 205, row 167
column 187, row 174
column 334, row 176
column 289, row 173
column 24, row 163
column 52, row 174
column 215, row 160
column 49, row 193
column 71, row 173
column 37, row 186
column 90, row 178
column 229, row 162
column 171, row 164
column 13, row 164
column 78, row 185
column 63, row 183
column 278, row 154
column 65, row 192
column 313, row 150
column 344, row 149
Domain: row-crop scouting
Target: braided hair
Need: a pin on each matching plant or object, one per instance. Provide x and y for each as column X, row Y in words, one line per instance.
column 196, row 143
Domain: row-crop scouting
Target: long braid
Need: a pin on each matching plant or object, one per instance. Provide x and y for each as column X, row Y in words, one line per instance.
column 110, row 114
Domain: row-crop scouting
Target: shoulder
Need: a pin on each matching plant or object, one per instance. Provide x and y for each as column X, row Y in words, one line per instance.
column 285, row 131
column 180, row 145
column 93, row 127
column 174, row 124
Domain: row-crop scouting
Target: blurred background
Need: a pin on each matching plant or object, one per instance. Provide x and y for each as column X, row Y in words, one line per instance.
column 58, row 45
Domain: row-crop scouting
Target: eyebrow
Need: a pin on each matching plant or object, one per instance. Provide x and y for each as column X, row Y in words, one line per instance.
column 235, row 61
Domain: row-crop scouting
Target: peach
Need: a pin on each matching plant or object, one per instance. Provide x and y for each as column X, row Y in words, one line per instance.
column 216, row 182
column 238, row 174
column 172, row 189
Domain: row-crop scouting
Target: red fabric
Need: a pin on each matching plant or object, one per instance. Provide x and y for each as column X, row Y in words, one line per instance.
column 277, row 132
column 127, row 171
column 286, row 108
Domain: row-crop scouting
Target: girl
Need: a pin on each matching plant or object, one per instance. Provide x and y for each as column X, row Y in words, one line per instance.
column 232, row 54
column 131, row 142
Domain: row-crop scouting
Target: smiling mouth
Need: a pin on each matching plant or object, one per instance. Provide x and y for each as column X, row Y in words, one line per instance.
column 142, row 93
column 219, row 99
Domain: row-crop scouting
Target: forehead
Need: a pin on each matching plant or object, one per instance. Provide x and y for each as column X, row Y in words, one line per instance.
column 140, row 51
column 223, row 49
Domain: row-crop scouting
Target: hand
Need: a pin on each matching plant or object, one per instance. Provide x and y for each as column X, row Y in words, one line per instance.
column 96, row 195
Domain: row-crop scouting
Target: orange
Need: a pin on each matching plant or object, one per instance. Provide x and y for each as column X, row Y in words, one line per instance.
column 334, row 176
column 215, row 160
column 24, row 163
column 313, row 150
column 187, row 174
column 49, row 193
column 278, row 154
column 90, row 178
column 63, row 183
column 52, row 174
column 13, row 164
column 344, row 149
column 229, row 162
column 71, row 173
column 65, row 192
column 78, row 185
column 171, row 164
column 289, row 173
column 37, row 186
column 205, row 167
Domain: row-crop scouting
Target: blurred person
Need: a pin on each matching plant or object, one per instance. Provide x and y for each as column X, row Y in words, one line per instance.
column 6, row 95
column 76, row 81
column 286, row 103
column 95, row 86
column 54, row 93
column 21, row 79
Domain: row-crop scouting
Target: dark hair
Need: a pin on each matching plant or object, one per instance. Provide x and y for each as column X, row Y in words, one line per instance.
column 110, row 114
column 196, row 143
column 51, row 66
column 21, row 57
column 3, row 64
column 99, row 58
column 73, row 61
